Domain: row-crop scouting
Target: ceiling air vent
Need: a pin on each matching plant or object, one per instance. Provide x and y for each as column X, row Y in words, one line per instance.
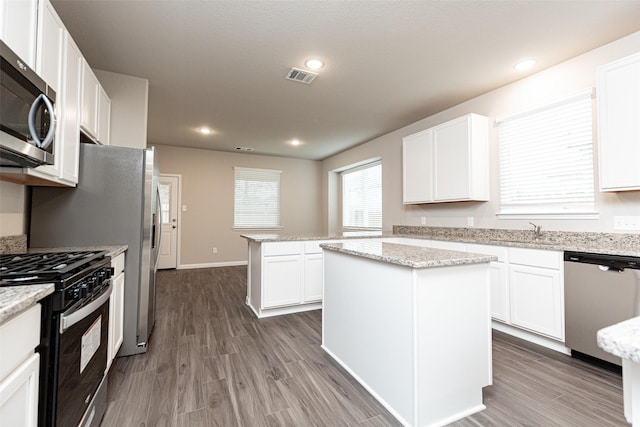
column 244, row 149
column 302, row 76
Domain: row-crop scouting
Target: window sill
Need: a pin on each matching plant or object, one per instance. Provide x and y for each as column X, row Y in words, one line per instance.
column 257, row 228
column 532, row 215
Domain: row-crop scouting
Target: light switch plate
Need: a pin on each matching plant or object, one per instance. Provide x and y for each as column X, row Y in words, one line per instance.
column 626, row 222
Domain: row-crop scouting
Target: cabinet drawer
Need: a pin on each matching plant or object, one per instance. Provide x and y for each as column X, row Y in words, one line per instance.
column 118, row 264
column 499, row 251
column 536, row 257
column 313, row 247
column 282, row 248
column 18, row 339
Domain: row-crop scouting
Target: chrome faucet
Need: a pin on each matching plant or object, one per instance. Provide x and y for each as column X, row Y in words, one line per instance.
column 537, row 230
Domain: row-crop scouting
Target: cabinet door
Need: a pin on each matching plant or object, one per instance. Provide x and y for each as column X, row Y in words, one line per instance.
column 499, row 278
column 282, row 280
column 452, row 160
column 116, row 318
column 618, row 124
column 104, row 117
column 49, row 65
column 18, row 28
column 536, row 299
column 313, row 277
column 89, row 117
column 72, row 72
column 19, row 395
column 417, row 167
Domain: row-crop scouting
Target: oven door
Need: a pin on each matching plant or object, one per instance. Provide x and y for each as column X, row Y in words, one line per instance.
column 82, row 357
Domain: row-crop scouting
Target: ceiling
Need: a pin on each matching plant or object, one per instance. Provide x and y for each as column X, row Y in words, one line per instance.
column 222, row 64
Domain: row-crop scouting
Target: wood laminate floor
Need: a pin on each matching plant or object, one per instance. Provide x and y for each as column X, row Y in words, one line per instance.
column 211, row 362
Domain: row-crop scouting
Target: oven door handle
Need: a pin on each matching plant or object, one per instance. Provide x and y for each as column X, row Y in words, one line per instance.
column 68, row 320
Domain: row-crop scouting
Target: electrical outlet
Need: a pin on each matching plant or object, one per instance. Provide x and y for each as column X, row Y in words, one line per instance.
column 184, row 208
column 470, row 221
column 215, row 250
column 423, row 220
column 626, row 222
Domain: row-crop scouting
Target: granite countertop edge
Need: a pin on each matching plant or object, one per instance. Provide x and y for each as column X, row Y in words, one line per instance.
column 112, row 250
column 16, row 299
column 622, row 339
column 410, row 256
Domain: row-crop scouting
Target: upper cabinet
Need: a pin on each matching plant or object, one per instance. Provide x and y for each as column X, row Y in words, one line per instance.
column 96, row 107
column 447, row 163
column 618, row 91
column 18, row 28
column 57, row 60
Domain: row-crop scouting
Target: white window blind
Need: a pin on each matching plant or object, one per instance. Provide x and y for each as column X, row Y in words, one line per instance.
column 257, row 198
column 362, row 197
column 546, row 159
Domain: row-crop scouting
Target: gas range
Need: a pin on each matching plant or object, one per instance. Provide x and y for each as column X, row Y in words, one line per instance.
column 77, row 275
column 74, row 331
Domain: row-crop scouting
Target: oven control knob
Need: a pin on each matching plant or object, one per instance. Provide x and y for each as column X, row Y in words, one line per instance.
column 83, row 289
column 92, row 283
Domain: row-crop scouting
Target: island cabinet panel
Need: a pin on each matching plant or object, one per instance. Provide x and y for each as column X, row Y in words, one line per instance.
column 285, row 277
column 418, row 340
column 618, row 94
column 283, row 280
column 447, row 163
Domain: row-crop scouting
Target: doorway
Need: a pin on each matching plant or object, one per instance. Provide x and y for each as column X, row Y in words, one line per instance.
column 169, row 188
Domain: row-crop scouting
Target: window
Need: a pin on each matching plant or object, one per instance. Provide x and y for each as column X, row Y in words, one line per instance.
column 546, row 160
column 257, row 198
column 362, row 197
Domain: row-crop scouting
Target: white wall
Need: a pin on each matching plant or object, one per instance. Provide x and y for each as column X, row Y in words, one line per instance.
column 208, row 193
column 12, row 208
column 129, row 108
column 546, row 86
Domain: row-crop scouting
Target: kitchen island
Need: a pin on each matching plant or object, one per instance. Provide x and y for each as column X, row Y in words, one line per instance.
column 412, row 325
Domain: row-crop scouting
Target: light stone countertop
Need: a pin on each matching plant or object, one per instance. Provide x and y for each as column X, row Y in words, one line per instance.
column 407, row 255
column 112, row 251
column 622, row 339
column 16, row 299
column 591, row 242
column 301, row 237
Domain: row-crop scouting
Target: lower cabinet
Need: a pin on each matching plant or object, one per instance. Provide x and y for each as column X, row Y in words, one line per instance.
column 282, row 280
column 537, row 291
column 285, row 277
column 19, row 368
column 116, row 309
column 499, row 279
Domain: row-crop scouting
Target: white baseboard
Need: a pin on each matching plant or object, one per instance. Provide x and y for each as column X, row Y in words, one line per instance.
column 211, row 264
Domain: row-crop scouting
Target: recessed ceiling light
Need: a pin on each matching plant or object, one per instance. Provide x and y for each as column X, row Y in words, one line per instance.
column 295, row 142
column 205, row 130
column 314, row 63
column 524, row 65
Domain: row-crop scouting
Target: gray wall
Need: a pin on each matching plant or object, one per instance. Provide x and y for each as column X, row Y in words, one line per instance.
column 555, row 83
column 207, row 192
column 12, row 208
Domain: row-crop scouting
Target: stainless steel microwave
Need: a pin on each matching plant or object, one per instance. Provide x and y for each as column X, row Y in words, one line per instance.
column 27, row 114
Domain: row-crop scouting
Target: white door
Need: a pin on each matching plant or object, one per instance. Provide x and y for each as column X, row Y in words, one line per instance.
column 169, row 187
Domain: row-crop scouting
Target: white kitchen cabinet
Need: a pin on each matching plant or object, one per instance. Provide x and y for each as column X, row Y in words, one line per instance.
column 454, row 164
column 282, row 280
column 618, row 91
column 417, row 167
column 313, row 277
column 70, row 126
column 19, row 368
column 537, row 291
column 499, row 279
column 116, row 309
column 18, row 28
column 448, row 245
column 96, row 107
column 89, row 116
column 104, row 117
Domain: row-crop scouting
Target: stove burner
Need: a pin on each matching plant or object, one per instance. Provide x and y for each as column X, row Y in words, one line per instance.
column 49, row 265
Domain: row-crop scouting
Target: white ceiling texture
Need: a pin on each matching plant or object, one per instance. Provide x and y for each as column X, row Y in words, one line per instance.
column 222, row 64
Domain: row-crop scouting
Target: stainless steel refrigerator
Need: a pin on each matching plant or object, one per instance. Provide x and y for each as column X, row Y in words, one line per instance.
column 115, row 203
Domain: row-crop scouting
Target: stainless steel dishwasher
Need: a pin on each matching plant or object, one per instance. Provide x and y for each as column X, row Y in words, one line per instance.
column 600, row 290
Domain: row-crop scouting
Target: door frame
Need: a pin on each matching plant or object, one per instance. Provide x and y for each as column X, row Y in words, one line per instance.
column 179, row 208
